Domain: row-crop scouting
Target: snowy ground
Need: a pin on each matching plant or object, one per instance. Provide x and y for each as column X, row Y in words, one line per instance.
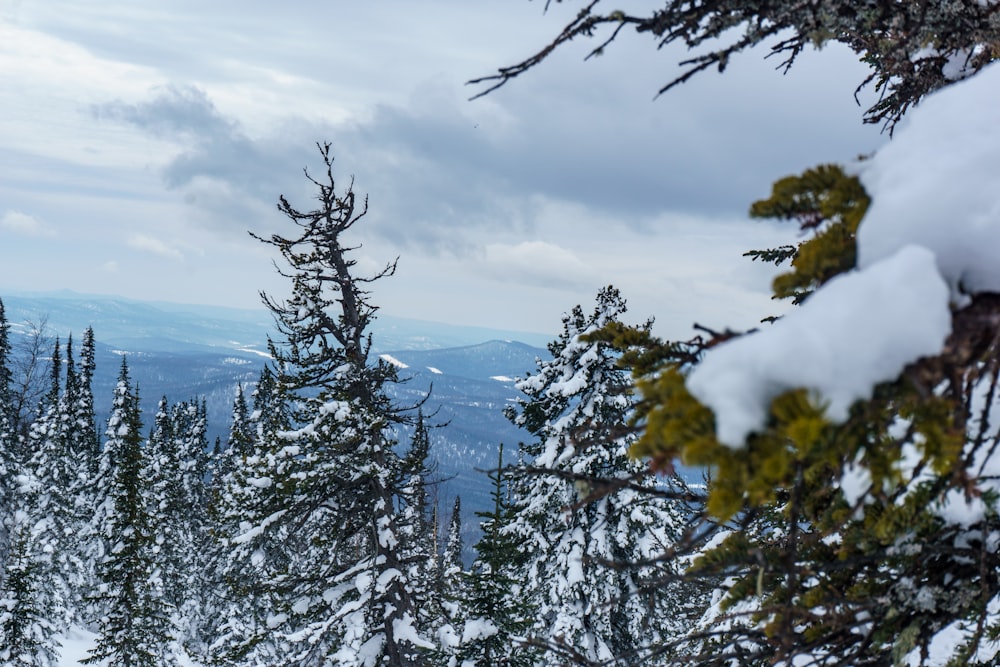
column 78, row 642
column 75, row 646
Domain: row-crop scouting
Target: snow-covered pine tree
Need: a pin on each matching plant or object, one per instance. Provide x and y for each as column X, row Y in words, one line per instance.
column 30, row 619
column 31, row 607
column 190, row 516
column 178, row 466
column 58, row 472
column 7, row 459
column 5, row 372
column 452, row 567
column 418, row 541
column 585, row 509
column 240, row 631
column 55, row 372
column 88, row 443
column 134, row 622
column 239, row 441
column 494, row 615
column 329, row 488
column 450, row 583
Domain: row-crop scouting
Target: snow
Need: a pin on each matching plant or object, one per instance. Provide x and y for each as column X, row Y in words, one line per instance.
column 502, row 378
column 75, row 646
column 478, row 628
column 404, row 630
column 930, row 236
column 253, row 351
column 393, row 360
column 434, row 370
column 78, row 642
column 861, row 328
column 935, row 186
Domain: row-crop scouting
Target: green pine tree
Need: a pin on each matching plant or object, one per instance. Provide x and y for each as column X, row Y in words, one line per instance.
column 134, row 629
column 496, row 615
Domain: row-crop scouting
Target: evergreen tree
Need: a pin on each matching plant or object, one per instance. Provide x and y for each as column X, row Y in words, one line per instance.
column 451, row 561
column 134, row 628
column 240, row 438
column 28, row 633
column 8, row 464
column 55, row 371
column 87, row 441
column 59, row 472
column 239, row 493
column 913, row 48
column 495, row 613
column 330, row 488
column 587, row 513
column 191, row 517
column 5, row 370
column 418, row 541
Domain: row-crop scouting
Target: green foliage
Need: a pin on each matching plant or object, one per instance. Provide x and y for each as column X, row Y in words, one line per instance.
column 827, row 202
column 493, row 590
column 839, row 542
column 135, row 629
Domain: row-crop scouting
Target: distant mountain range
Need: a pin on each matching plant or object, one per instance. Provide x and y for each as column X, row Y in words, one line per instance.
column 186, row 352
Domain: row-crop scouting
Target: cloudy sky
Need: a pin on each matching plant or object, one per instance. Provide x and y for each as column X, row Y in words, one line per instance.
column 141, row 140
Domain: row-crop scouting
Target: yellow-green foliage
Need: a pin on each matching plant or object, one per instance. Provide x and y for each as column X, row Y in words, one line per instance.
column 808, row 559
column 829, row 202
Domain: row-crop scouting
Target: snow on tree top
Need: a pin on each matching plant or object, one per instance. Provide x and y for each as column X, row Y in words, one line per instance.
column 860, row 329
column 935, row 185
column 931, row 235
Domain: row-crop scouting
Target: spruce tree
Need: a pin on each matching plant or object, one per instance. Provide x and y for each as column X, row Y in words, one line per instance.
column 330, row 488
column 241, row 630
column 134, row 626
column 240, row 437
column 29, row 616
column 418, row 541
column 586, row 513
column 495, row 614
column 5, row 369
column 88, row 442
column 58, row 468
column 8, row 463
column 451, row 561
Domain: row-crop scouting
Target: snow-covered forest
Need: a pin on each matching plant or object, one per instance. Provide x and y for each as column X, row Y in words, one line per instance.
column 850, row 510
column 308, row 537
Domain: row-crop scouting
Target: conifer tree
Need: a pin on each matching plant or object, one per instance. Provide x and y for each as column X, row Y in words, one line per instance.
column 7, row 459
column 28, row 631
column 134, row 626
column 88, row 443
column 244, row 604
column 240, row 437
column 55, row 371
column 329, row 489
column 418, row 542
column 582, row 513
column 496, row 615
column 451, row 561
column 913, row 48
column 5, row 370
column 58, row 470
column 190, row 515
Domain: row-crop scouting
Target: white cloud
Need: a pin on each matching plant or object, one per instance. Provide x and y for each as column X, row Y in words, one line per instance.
column 537, row 263
column 24, row 224
column 155, row 246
